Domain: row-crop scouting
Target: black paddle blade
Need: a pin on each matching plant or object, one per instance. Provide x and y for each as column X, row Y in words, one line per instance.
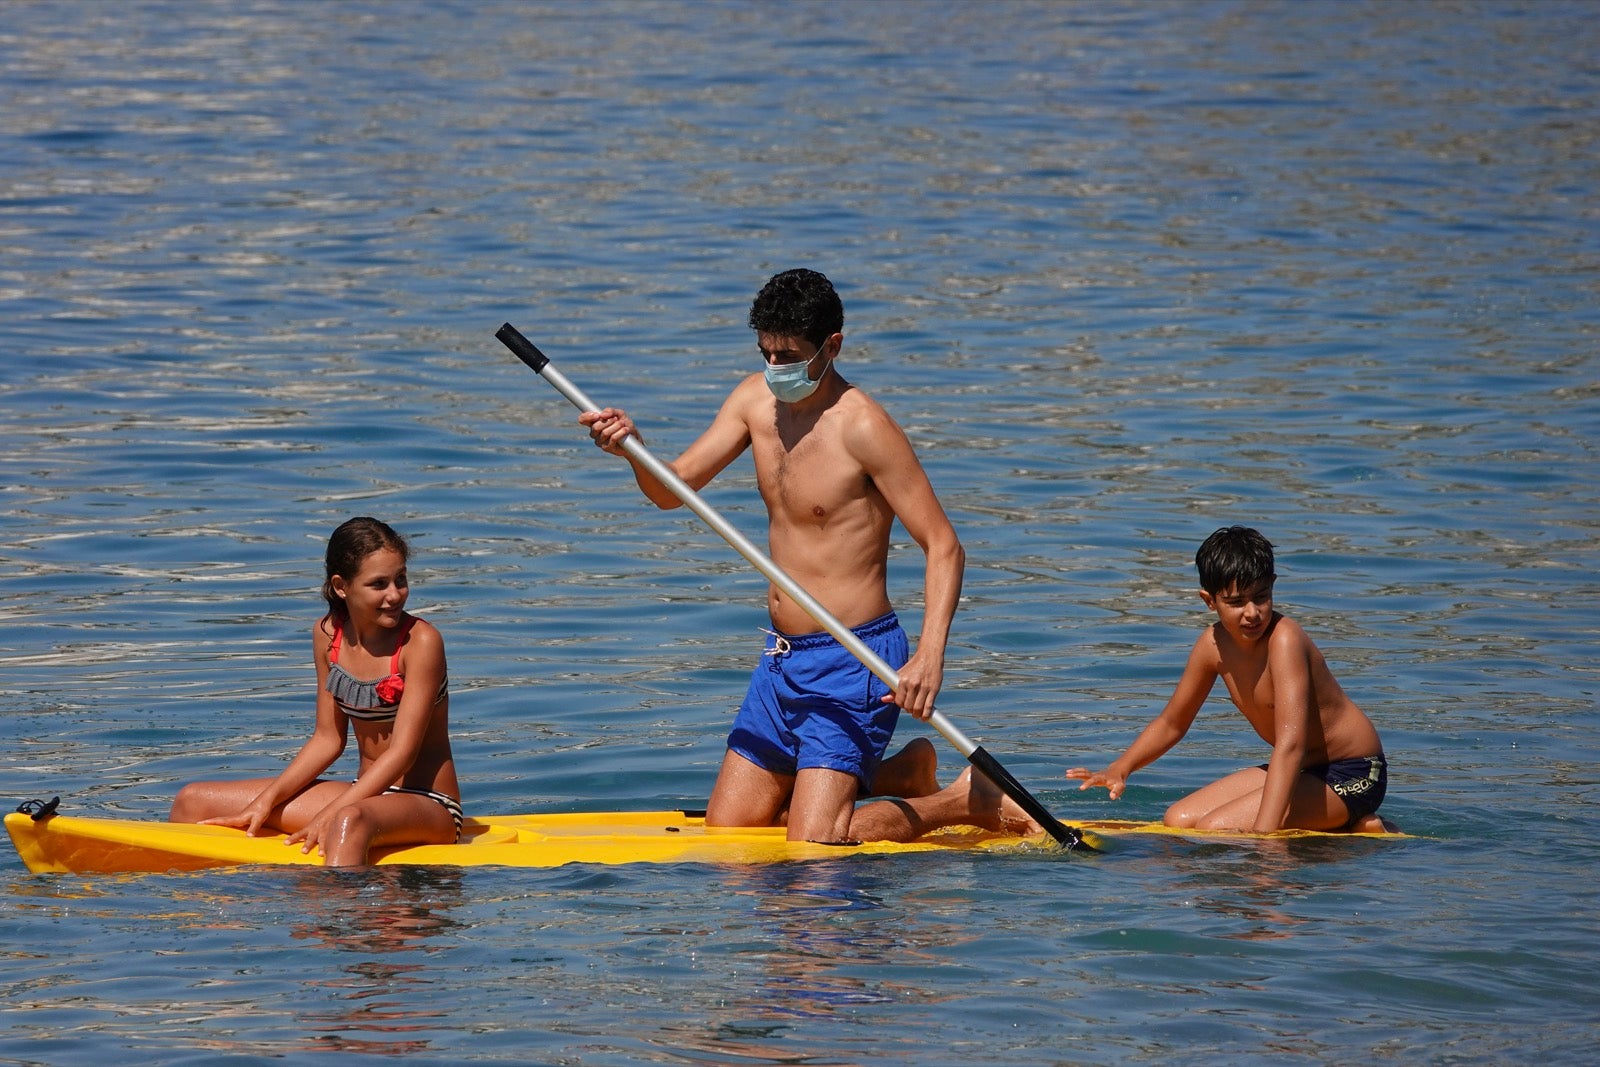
column 1012, row 788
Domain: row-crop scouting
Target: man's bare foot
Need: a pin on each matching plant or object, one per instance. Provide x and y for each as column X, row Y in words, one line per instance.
column 911, row 772
column 1374, row 824
column 990, row 808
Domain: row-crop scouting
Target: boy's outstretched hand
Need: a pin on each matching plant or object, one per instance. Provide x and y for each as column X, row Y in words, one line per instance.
column 1113, row 783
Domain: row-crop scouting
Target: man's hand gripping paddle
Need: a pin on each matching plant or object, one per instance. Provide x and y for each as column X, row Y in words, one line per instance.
column 526, row 351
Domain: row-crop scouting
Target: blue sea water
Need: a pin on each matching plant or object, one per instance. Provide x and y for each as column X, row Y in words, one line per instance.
column 1125, row 271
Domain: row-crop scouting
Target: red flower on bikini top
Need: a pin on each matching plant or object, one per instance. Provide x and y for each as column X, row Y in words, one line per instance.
column 390, row 688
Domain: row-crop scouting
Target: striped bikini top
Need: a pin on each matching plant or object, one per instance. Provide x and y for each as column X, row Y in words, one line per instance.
column 377, row 700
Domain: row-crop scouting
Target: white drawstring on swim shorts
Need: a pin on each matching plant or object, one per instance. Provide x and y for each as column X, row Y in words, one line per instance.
column 780, row 643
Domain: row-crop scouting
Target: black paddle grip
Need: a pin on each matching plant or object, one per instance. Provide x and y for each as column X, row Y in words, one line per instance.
column 1012, row 788
column 522, row 348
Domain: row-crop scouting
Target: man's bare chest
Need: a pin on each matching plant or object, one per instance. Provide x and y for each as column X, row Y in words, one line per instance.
column 810, row 481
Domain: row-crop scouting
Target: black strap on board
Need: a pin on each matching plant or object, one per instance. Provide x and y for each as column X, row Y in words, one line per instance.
column 39, row 810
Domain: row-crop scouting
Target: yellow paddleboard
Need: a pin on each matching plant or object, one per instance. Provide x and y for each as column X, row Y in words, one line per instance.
column 69, row 844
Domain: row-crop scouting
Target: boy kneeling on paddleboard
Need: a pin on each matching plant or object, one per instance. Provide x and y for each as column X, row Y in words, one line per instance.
column 1327, row 770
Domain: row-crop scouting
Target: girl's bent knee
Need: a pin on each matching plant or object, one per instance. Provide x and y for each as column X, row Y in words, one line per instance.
column 351, row 821
column 187, row 806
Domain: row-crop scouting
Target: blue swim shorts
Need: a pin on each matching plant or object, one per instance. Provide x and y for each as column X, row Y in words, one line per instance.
column 812, row 704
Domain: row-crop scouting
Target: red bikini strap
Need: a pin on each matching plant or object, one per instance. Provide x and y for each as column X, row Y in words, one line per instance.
column 394, row 661
column 405, row 634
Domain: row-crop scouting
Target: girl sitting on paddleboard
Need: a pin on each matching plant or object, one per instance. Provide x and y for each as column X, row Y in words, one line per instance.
column 382, row 672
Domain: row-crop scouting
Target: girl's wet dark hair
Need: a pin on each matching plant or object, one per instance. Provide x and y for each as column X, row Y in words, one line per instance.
column 1234, row 557
column 798, row 303
column 350, row 545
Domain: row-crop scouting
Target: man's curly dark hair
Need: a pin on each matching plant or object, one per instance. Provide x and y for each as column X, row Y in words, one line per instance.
column 798, row 303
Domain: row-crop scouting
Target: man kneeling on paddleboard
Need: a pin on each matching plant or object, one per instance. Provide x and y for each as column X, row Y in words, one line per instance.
column 835, row 471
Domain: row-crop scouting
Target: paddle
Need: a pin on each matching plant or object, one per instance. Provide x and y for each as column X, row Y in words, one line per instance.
column 526, row 351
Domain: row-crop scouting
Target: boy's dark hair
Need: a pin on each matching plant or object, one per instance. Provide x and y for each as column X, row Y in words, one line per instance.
column 348, row 548
column 798, row 303
column 1235, row 557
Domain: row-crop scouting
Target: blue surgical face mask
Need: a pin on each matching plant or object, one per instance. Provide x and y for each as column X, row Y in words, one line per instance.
column 791, row 382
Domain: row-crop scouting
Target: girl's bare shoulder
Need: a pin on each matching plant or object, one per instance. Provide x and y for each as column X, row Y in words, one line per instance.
column 322, row 632
column 424, row 636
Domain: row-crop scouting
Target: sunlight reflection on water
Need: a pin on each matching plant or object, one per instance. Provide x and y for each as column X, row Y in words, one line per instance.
column 1124, row 272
